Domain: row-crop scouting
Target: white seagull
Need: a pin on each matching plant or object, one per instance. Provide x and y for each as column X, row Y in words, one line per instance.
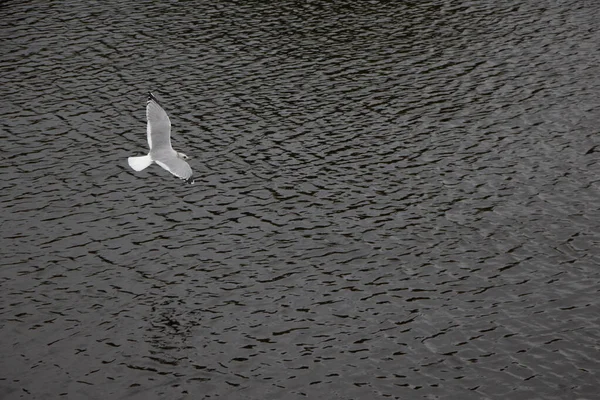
column 159, row 140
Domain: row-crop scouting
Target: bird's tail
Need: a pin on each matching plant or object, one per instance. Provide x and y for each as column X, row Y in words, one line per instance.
column 139, row 163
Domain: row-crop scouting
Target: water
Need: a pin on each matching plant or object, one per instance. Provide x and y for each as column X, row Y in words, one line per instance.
column 393, row 200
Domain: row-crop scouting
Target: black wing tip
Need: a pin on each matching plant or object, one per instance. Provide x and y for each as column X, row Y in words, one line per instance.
column 189, row 180
column 152, row 98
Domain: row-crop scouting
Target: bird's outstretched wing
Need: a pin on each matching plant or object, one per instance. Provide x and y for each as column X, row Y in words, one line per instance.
column 159, row 125
column 177, row 167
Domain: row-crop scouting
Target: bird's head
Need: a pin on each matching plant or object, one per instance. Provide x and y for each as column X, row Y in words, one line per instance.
column 183, row 156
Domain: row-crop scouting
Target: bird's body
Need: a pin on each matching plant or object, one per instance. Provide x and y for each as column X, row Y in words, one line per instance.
column 159, row 141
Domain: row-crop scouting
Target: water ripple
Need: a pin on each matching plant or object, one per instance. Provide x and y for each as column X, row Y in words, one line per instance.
column 394, row 200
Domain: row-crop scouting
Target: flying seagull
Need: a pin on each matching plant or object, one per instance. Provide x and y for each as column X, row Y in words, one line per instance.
column 159, row 140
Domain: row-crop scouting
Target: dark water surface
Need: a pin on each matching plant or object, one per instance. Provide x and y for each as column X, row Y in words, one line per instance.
column 393, row 200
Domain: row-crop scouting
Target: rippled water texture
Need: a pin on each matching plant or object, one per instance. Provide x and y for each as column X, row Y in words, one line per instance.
column 393, row 200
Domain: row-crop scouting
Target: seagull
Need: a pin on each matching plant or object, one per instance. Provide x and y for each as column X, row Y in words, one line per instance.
column 159, row 140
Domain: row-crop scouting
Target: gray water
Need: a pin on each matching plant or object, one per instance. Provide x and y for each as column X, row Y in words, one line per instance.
column 393, row 200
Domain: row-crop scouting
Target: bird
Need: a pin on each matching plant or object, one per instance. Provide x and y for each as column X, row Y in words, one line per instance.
column 159, row 141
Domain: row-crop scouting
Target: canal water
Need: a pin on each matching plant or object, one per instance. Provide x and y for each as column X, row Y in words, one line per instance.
column 393, row 200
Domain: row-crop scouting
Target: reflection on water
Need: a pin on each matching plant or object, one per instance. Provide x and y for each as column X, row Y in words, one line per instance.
column 394, row 200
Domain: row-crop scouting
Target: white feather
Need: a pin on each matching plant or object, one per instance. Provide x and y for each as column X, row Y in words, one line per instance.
column 139, row 163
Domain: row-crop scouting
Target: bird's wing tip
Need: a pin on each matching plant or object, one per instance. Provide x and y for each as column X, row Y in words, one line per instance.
column 152, row 98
